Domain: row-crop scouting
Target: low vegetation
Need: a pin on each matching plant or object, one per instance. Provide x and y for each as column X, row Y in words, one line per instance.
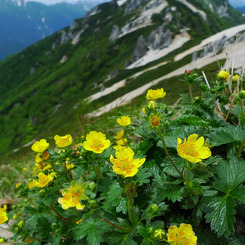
column 162, row 176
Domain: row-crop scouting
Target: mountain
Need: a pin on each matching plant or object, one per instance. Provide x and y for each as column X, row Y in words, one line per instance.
column 241, row 8
column 24, row 23
column 108, row 58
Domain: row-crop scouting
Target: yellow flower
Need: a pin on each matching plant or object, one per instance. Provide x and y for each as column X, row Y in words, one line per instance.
column 124, row 121
column 42, row 157
column 143, row 110
column 72, row 195
column 40, row 146
column 1, row 240
column 69, row 166
column 120, row 135
column 96, row 142
column 155, row 94
column 192, row 149
column 124, row 163
column 43, row 180
column 42, row 166
column 184, row 235
column 24, row 169
column 155, row 120
column 63, row 141
column 223, row 75
column 3, row 214
column 122, row 142
column 236, row 78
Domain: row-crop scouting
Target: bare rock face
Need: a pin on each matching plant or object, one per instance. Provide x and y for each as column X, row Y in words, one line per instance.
column 159, row 39
column 140, row 49
column 222, row 10
column 115, row 33
column 133, row 5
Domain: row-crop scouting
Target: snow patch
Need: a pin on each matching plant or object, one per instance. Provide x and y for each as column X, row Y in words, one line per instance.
column 228, row 33
column 121, row 2
column 153, row 55
column 235, row 51
column 194, row 9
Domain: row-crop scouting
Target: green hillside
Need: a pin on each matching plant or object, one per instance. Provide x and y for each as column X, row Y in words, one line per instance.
column 40, row 95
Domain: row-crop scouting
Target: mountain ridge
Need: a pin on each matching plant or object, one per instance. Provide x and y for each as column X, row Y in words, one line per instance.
column 47, row 85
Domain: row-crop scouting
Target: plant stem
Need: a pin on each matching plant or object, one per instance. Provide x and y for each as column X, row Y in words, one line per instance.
column 111, row 224
column 166, row 151
column 240, row 149
column 131, row 210
column 190, row 92
column 72, row 221
column 67, row 173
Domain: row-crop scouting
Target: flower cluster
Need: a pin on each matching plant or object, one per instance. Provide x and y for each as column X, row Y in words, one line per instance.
column 181, row 235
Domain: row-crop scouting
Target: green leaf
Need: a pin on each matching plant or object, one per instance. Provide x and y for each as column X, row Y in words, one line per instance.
column 122, row 206
column 228, row 134
column 220, row 211
column 127, row 240
column 192, row 119
column 143, row 176
column 230, row 175
column 92, row 230
column 239, row 193
column 114, row 194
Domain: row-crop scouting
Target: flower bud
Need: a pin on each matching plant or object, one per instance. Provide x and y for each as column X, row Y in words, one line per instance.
column 166, row 123
column 91, row 186
column 187, row 72
column 21, row 224
column 153, row 208
column 159, row 234
column 152, row 104
column 242, row 94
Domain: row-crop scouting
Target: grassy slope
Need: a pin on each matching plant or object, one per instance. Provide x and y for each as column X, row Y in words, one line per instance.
column 28, row 103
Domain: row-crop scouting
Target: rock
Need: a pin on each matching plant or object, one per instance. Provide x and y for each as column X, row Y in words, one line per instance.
column 115, row 33
column 133, row 5
column 140, row 49
column 222, row 10
column 63, row 59
column 194, row 57
column 241, row 38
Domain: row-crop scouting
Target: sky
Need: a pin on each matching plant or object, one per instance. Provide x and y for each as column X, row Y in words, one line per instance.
column 235, row 3
column 58, row 1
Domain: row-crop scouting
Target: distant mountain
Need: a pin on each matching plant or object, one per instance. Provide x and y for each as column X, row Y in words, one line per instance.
column 242, row 9
column 24, row 23
column 109, row 56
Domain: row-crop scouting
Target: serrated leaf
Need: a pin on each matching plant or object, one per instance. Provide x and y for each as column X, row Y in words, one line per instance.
column 239, row 193
column 143, row 176
column 230, row 175
column 92, row 230
column 32, row 221
column 227, row 135
column 122, row 206
column 94, row 237
column 220, row 211
column 127, row 240
column 191, row 119
column 114, row 194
